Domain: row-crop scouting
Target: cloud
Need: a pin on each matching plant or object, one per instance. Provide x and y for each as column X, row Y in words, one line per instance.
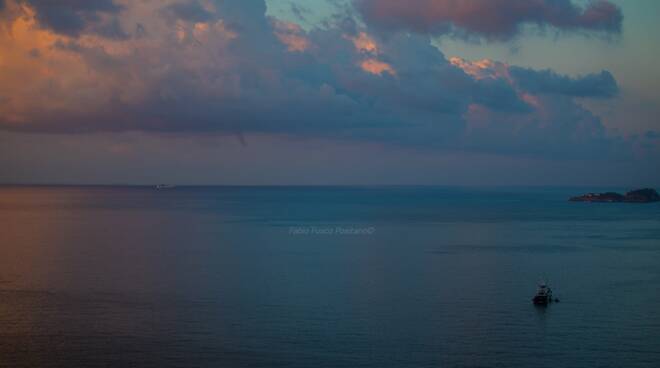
column 600, row 85
column 490, row 19
column 72, row 17
column 225, row 67
column 192, row 11
column 291, row 35
column 551, row 123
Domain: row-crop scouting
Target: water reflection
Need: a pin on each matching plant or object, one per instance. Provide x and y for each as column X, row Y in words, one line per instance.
column 187, row 277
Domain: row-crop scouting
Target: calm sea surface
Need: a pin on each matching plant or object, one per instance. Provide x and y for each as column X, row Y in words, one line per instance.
column 325, row 277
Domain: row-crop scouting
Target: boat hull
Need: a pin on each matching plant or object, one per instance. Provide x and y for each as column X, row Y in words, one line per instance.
column 542, row 300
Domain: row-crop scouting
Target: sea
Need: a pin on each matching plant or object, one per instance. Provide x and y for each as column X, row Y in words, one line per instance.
column 104, row 276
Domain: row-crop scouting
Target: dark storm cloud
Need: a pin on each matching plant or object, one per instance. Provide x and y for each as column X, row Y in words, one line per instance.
column 191, row 11
column 600, row 85
column 491, row 19
column 72, row 17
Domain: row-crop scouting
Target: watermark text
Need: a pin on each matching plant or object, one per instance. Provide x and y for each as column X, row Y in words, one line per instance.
column 331, row 230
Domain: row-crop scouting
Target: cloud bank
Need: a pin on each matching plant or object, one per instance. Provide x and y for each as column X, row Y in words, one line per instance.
column 73, row 17
column 490, row 19
column 217, row 66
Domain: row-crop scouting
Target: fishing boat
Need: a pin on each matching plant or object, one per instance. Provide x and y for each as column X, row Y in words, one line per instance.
column 543, row 295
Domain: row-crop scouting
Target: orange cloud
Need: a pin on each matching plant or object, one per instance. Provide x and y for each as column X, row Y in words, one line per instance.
column 364, row 43
column 481, row 69
column 291, row 35
column 33, row 69
column 531, row 100
column 48, row 76
column 489, row 69
column 375, row 66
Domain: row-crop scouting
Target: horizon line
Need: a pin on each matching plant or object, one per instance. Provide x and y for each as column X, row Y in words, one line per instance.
column 355, row 185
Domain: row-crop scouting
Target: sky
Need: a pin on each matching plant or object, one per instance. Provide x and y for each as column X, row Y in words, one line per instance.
column 330, row 92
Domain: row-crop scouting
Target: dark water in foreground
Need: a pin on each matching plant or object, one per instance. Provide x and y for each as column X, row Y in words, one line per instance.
column 430, row 277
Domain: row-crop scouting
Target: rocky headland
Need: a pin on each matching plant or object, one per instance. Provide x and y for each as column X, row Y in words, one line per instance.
column 636, row 196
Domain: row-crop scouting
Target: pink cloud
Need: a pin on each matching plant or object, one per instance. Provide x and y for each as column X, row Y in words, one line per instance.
column 491, row 19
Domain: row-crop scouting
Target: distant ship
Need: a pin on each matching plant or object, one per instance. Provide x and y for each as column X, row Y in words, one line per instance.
column 165, row 186
column 543, row 295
